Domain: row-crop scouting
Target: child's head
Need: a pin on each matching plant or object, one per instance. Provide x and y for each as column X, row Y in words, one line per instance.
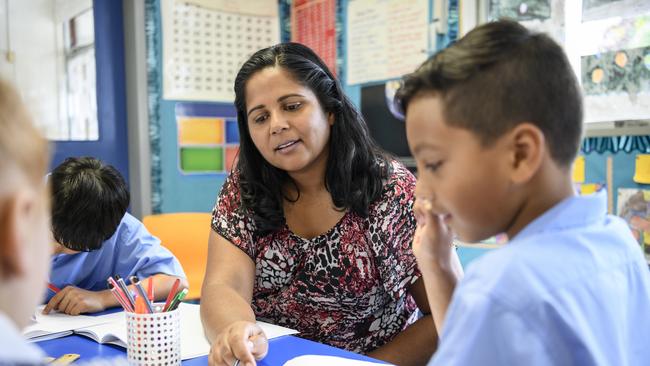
column 24, row 219
column 488, row 117
column 89, row 199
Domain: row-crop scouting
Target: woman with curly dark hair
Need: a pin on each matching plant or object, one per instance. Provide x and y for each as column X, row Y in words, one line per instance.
column 313, row 228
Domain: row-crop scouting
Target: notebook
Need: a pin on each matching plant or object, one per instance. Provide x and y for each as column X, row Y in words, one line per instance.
column 111, row 329
column 56, row 325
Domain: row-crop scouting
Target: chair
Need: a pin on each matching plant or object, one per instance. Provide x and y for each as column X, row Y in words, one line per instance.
column 185, row 234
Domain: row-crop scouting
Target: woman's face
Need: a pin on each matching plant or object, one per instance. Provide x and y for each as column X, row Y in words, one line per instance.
column 286, row 121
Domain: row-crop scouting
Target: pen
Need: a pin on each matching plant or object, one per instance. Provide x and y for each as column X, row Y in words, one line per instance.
column 119, row 298
column 122, row 296
column 177, row 299
column 172, row 293
column 138, row 286
column 125, row 289
column 53, row 288
column 150, row 289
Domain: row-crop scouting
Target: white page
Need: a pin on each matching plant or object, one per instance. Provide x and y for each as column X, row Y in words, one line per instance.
column 55, row 322
column 193, row 341
column 318, row 360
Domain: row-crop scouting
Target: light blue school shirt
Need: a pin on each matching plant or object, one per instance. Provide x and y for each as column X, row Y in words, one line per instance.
column 572, row 288
column 14, row 350
column 132, row 250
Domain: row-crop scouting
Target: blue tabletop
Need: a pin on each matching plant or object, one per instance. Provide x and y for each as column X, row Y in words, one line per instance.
column 281, row 350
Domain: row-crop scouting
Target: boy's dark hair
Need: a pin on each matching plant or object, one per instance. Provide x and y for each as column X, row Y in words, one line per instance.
column 355, row 166
column 89, row 200
column 499, row 75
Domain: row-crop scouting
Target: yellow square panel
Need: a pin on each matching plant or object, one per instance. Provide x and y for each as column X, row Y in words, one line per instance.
column 197, row 130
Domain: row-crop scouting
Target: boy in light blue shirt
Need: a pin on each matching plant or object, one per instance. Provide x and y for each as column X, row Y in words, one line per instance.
column 96, row 238
column 494, row 123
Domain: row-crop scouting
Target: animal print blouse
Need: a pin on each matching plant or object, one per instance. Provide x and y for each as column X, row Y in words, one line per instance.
column 347, row 287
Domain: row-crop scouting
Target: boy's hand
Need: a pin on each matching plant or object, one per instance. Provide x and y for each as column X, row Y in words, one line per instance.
column 74, row 301
column 244, row 341
column 433, row 238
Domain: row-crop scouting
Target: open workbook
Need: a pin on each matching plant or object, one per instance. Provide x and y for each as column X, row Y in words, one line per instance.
column 111, row 329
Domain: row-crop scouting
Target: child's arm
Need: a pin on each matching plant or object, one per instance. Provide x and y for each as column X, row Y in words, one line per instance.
column 74, row 301
column 437, row 259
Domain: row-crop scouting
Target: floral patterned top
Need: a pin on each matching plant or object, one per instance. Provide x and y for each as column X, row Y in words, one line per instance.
column 347, row 287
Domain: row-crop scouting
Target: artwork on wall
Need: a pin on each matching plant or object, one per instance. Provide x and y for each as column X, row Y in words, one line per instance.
column 208, row 138
column 206, row 42
column 601, row 9
column 634, row 208
column 385, row 38
column 313, row 23
column 539, row 15
column 615, row 68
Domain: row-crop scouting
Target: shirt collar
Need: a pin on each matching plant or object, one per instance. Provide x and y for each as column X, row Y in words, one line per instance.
column 574, row 211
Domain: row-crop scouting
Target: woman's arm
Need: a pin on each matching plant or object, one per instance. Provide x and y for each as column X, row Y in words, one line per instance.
column 228, row 319
column 416, row 344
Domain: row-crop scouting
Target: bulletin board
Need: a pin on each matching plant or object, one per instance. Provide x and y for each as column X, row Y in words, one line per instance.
column 206, row 42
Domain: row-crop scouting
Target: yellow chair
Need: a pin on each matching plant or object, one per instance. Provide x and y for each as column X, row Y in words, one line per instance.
column 185, row 234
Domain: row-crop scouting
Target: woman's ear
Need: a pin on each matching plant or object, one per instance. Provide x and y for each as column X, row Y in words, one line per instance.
column 330, row 118
column 14, row 224
column 527, row 149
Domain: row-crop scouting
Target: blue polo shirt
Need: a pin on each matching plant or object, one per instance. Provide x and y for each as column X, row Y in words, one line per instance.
column 131, row 251
column 572, row 288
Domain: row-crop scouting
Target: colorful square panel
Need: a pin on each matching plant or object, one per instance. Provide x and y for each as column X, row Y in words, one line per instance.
column 232, row 131
column 231, row 157
column 201, row 159
column 200, row 130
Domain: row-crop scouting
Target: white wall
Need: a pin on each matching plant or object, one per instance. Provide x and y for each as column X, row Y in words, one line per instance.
column 30, row 32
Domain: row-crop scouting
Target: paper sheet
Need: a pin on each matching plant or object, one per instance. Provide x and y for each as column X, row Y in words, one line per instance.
column 55, row 325
column 318, row 360
column 193, row 341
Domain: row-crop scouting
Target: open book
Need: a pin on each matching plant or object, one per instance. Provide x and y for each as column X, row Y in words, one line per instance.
column 56, row 325
column 111, row 328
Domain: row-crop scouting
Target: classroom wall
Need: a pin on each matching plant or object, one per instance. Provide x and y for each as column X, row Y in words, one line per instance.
column 174, row 192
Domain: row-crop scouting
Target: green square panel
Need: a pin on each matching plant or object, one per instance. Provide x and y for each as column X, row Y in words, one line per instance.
column 201, row 159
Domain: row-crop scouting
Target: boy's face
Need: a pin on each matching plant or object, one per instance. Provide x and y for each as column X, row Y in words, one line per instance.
column 27, row 250
column 466, row 182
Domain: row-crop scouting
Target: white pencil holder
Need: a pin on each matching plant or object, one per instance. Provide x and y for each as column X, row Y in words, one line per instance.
column 154, row 339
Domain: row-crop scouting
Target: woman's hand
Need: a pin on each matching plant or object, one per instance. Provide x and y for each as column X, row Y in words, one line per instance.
column 242, row 340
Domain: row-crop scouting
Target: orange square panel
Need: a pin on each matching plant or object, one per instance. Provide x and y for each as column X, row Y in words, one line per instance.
column 200, row 130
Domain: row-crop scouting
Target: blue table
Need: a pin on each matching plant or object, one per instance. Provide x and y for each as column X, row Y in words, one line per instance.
column 281, row 350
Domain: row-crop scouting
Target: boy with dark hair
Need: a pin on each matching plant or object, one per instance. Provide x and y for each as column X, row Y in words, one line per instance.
column 494, row 123
column 96, row 238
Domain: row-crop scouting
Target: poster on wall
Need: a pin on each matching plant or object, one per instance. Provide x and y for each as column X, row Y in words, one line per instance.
column 634, row 208
column 601, row 9
column 313, row 23
column 208, row 138
column 206, row 42
column 615, row 68
column 386, row 38
column 539, row 15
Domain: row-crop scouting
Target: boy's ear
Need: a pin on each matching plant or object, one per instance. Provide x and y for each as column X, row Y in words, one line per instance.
column 527, row 149
column 13, row 221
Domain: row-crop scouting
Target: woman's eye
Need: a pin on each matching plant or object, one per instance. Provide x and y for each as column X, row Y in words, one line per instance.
column 293, row 106
column 433, row 167
column 261, row 118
